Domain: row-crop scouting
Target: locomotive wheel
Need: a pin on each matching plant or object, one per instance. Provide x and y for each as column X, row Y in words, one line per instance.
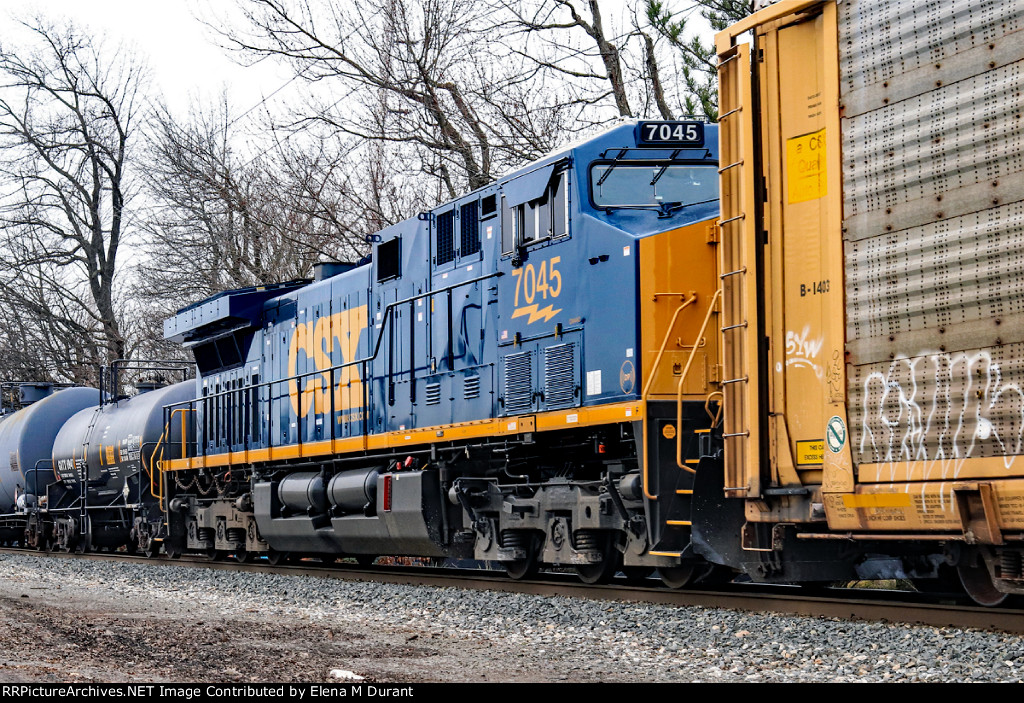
column 173, row 551
column 522, row 568
column 602, row 571
column 678, row 576
column 979, row 586
column 152, row 549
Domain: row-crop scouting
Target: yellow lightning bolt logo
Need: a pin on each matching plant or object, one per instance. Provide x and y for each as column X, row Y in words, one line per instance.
column 535, row 314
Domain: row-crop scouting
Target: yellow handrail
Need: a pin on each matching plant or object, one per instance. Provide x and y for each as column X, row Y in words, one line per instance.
column 156, row 487
column 650, row 379
column 682, row 378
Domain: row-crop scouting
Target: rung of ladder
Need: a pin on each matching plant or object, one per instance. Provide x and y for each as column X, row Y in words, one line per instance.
column 691, row 461
column 733, row 273
column 735, row 327
column 684, row 491
column 703, row 431
column 720, row 64
column 736, row 434
column 728, row 381
column 666, row 554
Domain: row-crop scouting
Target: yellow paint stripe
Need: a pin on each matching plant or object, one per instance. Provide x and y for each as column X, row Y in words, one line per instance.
column 683, row 523
column 542, row 422
column 877, row 500
column 684, row 492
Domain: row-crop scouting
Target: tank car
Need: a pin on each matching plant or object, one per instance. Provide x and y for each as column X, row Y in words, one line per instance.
column 103, row 458
column 28, row 484
column 525, row 375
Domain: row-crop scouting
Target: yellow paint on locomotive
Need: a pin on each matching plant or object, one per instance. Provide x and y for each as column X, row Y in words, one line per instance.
column 317, row 341
column 675, row 267
column 541, row 422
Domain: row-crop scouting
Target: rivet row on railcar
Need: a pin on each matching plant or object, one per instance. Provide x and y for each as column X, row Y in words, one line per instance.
column 526, row 375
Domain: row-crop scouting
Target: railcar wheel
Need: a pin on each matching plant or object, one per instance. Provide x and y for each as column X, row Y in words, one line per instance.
column 978, row 584
column 218, row 554
column 243, row 557
column 677, row 576
column 365, row 560
column 276, row 558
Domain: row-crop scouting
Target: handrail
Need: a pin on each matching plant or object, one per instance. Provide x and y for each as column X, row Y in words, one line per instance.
column 156, row 488
column 153, row 491
column 682, row 378
column 650, row 380
column 386, row 319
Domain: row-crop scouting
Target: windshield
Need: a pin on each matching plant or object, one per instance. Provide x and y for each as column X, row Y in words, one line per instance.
column 619, row 184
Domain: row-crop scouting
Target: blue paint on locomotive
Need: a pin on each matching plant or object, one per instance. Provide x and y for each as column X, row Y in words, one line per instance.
column 519, row 297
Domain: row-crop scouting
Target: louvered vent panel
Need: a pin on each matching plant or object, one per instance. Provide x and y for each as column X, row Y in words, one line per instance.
column 433, row 393
column 519, row 382
column 445, row 237
column 471, row 389
column 559, row 376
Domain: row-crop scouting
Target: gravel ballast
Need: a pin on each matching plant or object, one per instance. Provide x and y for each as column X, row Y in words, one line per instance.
column 85, row 621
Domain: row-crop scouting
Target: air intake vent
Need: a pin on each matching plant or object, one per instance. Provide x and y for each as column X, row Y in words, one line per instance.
column 433, row 393
column 519, row 382
column 559, row 379
column 471, row 389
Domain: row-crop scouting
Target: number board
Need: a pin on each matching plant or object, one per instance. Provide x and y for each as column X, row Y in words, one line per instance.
column 670, row 134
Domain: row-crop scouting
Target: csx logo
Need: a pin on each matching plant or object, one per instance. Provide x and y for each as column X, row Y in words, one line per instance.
column 317, row 340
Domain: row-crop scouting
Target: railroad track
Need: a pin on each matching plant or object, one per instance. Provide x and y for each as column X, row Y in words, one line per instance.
column 871, row 605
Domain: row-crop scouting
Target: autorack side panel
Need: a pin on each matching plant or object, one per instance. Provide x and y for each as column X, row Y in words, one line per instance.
column 934, row 206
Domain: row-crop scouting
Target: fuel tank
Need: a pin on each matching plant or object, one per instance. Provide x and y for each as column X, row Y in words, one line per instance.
column 112, row 445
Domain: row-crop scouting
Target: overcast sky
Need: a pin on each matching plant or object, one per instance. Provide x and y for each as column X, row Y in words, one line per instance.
column 182, row 53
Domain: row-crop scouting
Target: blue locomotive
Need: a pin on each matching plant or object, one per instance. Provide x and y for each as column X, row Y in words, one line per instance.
column 526, row 375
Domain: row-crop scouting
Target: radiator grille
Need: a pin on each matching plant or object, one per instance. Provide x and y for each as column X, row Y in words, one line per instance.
column 559, row 376
column 446, row 237
column 519, row 382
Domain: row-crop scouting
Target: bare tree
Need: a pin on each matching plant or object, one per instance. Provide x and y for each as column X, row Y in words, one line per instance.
column 223, row 220
column 554, row 23
column 699, row 61
column 67, row 117
column 419, row 73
